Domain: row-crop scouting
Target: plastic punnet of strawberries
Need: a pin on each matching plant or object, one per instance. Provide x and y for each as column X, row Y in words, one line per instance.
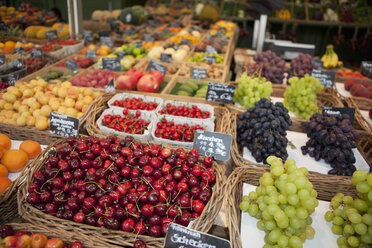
column 123, row 184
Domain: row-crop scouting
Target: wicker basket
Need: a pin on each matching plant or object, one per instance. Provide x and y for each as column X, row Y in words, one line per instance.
column 326, row 185
column 221, row 114
column 233, row 191
column 360, row 122
column 31, row 214
column 61, row 232
column 8, row 199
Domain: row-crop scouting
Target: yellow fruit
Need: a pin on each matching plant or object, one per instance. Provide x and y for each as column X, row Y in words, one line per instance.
column 34, row 105
column 62, row 92
column 41, row 83
column 2, row 102
column 85, row 108
column 73, row 92
column 36, row 113
column 23, row 108
column 66, row 84
column 88, row 99
column 38, row 89
column 19, row 44
column 14, row 90
column 16, row 104
column 21, row 121
column 96, row 94
column 79, row 105
column 26, row 114
column 8, row 106
column 55, row 105
column 9, row 44
column 30, row 121
column 45, row 110
column 1, row 44
column 28, row 93
column 69, row 102
column 41, row 124
column 2, row 118
column 44, row 99
column 55, row 91
column 61, row 110
column 87, row 92
column 9, row 97
column 71, row 112
column 80, row 114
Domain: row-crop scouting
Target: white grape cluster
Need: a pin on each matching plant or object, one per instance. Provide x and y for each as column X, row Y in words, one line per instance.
column 283, row 203
column 352, row 218
column 251, row 89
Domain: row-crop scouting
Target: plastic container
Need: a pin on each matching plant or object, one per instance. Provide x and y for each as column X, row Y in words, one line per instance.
column 123, row 96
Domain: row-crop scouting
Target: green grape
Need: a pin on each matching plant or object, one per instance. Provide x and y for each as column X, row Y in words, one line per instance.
column 360, row 229
column 274, row 235
column 360, row 176
column 366, row 238
column 347, row 200
column 349, row 229
column 341, row 241
column 367, row 219
column 261, row 225
column 290, row 188
column 252, row 195
column 363, row 187
column 282, row 199
column 253, row 210
column 301, row 213
column 293, row 199
column 282, row 241
column 310, row 232
column 337, row 220
column 295, row 242
column 355, row 218
column 353, row 241
column 245, row 198
column 303, row 194
column 328, row 216
column 244, row 205
column 270, row 225
column 337, row 229
column 290, row 211
column 369, row 179
column 309, row 220
column 360, row 205
column 251, row 89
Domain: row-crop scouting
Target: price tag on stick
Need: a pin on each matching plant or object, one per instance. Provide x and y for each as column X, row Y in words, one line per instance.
column 88, row 36
column 179, row 236
column 110, row 86
column 112, row 64
column 63, row 125
column 18, row 63
column 20, row 50
column 317, row 63
column 51, row 35
column 37, row 53
column 211, row 49
column 12, row 78
column 166, row 57
column 210, row 59
column 222, row 93
column 216, row 145
column 198, row 73
column 2, row 59
column 71, row 65
column 107, row 41
column 90, row 53
column 340, row 111
column 366, row 68
column 327, row 78
column 153, row 65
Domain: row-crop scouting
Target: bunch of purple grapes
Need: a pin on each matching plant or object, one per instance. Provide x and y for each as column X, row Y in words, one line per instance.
column 269, row 66
column 301, row 65
column 332, row 139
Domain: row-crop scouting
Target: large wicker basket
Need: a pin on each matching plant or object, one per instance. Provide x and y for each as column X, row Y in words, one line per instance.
column 62, row 232
column 326, row 185
column 360, row 122
column 222, row 115
column 31, row 214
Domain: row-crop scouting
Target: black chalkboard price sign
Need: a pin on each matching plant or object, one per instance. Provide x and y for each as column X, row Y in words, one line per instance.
column 222, row 93
column 137, row 43
column 91, row 53
column 166, row 57
column 339, row 111
column 216, row 145
column 210, row 59
column 366, row 68
column 317, row 63
column 112, row 64
column 179, row 236
column 51, row 35
column 12, row 78
column 210, row 49
column 88, row 36
column 18, row 63
column 37, row 53
column 148, row 37
column 327, row 78
column 153, row 65
column 122, row 54
column 20, row 50
column 110, row 86
column 185, row 41
column 2, row 59
column 63, row 125
column 71, row 65
column 198, row 73
column 107, row 41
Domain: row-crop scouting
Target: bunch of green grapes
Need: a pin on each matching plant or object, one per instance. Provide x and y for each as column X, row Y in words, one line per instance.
column 300, row 96
column 283, row 203
column 251, row 89
column 352, row 218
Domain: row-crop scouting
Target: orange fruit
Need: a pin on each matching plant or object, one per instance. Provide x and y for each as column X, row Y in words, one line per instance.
column 3, row 171
column 32, row 148
column 2, row 151
column 14, row 160
column 4, row 184
column 9, row 44
column 5, row 141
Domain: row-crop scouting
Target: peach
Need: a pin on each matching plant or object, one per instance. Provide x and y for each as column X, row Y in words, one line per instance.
column 28, row 93
column 21, row 121
column 61, row 110
column 71, row 112
column 14, row 90
column 41, row 124
column 73, row 92
column 79, row 105
column 8, row 106
column 62, row 92
column 30, row 121
column 88, row 99
column 45, row 110
column 69, row 102
column 66, row 84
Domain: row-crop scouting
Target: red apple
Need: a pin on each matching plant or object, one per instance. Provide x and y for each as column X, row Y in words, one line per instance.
column 8, row 242
column 137, row 74
column 362, row 92
column 148, row 83
column 38, row 240
column 349, row 83
column 355, row 88
column 366, row 84
column 158, row 75
column 125, row 82
column 23, row 241
column 54, row 243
